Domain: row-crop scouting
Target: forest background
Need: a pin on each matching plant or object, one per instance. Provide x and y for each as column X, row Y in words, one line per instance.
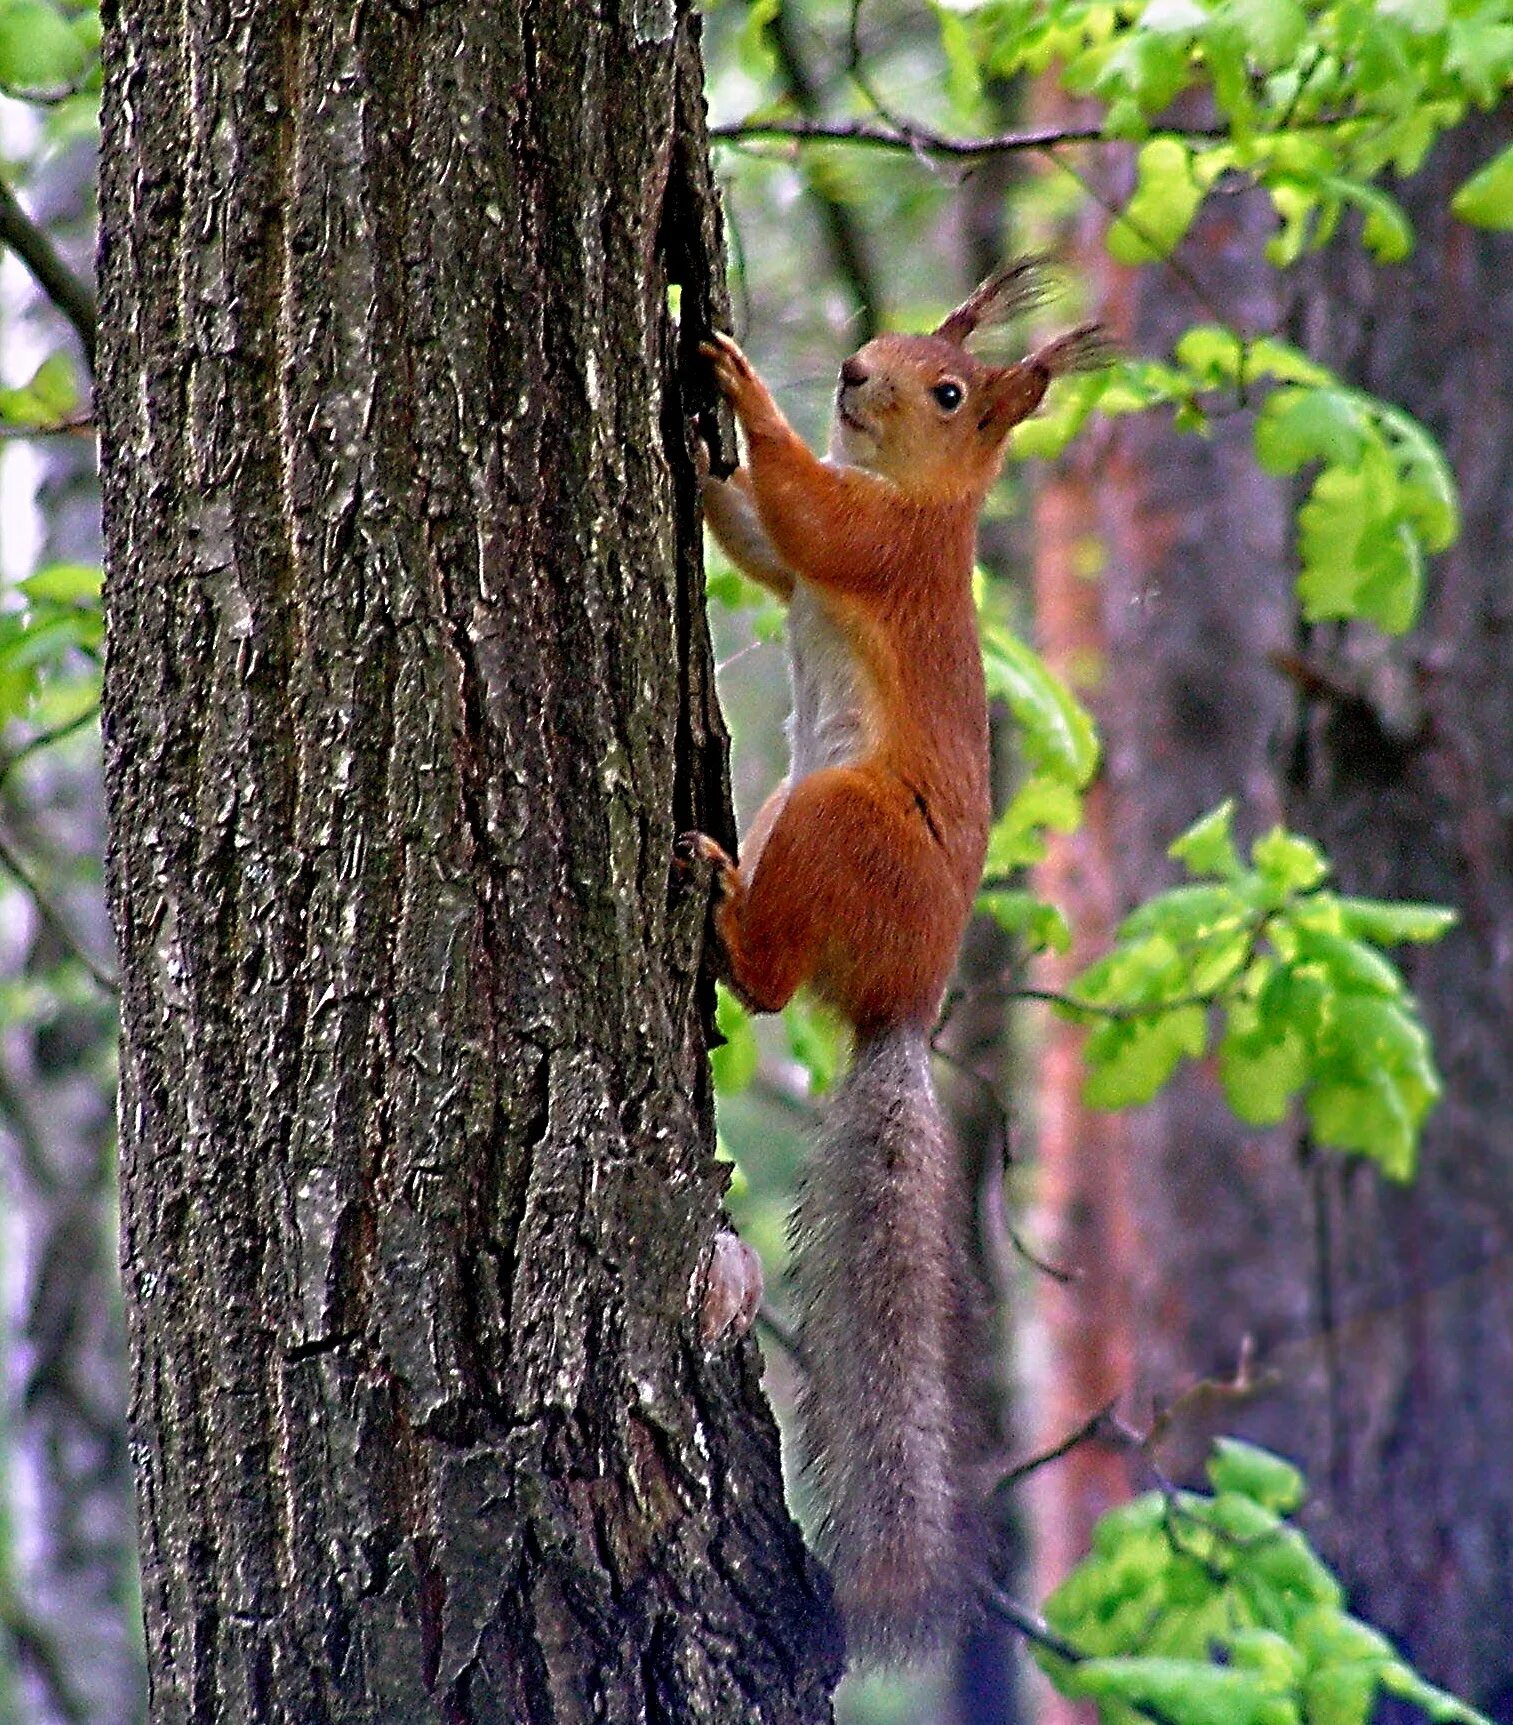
column 1255, row 1114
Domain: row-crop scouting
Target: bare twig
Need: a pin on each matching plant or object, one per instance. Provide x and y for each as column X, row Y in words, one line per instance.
column 73, row 297
column 1093, row 1427
column 53, row 919
column 1004, row 1130
column 45, row 740
column 844, row 234
column 906, row 135
column 782, row 1333
column 1029, row 1625
column 82, row 425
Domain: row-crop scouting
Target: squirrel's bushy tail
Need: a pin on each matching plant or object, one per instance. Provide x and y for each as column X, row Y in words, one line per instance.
column 886, row 1317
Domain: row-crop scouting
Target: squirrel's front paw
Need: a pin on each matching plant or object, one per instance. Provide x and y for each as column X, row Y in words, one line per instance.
column 738, row 381
column 732, row 370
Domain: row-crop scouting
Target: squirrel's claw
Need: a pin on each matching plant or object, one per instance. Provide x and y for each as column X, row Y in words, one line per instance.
column 732, row 370
column 694, row 848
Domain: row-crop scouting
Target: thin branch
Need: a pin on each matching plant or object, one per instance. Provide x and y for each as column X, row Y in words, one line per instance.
column 846, row 238
column 45, row 740
column 79, row 427
column 35, row 1649
column 53, row 919
column 782, row 1333
column 916, row 140
column 1119, row 1014
column 1004, row 1129
column 1092, row 1427
column 1171, row 261
column 73, row 297
column 1034, row 1630
column 1029, row 1625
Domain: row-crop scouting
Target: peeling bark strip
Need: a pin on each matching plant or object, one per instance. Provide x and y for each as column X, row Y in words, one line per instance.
column 408, row 693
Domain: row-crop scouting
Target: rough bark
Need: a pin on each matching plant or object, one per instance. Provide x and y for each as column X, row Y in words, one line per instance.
column 408, row 695
column 1381, row 1316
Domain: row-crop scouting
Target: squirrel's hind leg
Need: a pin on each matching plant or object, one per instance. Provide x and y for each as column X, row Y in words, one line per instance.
column 849, row 892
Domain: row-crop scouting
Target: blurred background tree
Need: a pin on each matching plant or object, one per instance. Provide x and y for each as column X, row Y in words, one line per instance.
column 1320, row 180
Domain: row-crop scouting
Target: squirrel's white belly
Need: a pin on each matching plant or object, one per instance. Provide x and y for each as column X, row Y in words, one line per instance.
column 827, row 727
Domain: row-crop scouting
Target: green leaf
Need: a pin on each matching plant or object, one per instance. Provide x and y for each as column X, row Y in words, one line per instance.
column 1056, row 731
column 1256, row 1473
column 49, row 396
column 1018, row 835
column 1212, row 353
column 1287, row 862
column 1182, row 1691
column 963, row 70
column 817, row 1040
column 1272, row 30
column 1386, row 233
column 734, row 1064
column 1351, row 965
column 1358, row 560
column 1261, row 1070
column 1365, row 1113
column 64, row 584
column 1173, row 17
column 1399, row 1679
column 1070, row 401
column 1386, row 923
column 1165, row 200
column 1270, row 1655
column 1041, row 926
column 1188, row 914
column 1130, row 1059
column 1208, row 846
column 1299, row 424
column 754, row 48
column 38, row 50
column 1340, row 1694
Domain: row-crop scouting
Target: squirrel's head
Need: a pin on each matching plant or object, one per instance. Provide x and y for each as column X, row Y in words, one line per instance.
column 923, row 412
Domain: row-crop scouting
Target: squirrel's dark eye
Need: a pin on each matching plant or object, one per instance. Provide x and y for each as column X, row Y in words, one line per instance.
column 949, row 394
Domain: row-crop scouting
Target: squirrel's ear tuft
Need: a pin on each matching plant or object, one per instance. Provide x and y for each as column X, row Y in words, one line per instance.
column 1088, row 348
column 1016, row 288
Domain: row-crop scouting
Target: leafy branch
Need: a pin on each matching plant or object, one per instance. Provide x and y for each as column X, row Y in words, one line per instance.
column 1197, row 1607
column 1311, row 1007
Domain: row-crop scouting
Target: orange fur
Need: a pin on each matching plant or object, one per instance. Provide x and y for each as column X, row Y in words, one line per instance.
column 859, row 878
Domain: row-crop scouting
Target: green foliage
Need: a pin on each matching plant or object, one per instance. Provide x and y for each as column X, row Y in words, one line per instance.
column 1315, row 101
column 1382, row 496
column 1058, row 745
column 1199, row 1609
column 1486, row 199
column 728, row 587
column 734, row 1059
column 50, row 396
column 49, row 648
column 1309, row 1006
column 45, row 49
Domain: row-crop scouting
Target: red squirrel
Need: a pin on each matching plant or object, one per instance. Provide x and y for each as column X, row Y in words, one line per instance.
column 857, row 878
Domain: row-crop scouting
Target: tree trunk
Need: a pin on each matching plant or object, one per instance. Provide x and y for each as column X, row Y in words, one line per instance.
column 408, row 694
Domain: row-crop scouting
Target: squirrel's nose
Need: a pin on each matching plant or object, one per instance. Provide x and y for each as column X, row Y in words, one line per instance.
column 853, row 372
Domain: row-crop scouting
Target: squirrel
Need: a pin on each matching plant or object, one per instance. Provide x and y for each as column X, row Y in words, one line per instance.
column 857, row 878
